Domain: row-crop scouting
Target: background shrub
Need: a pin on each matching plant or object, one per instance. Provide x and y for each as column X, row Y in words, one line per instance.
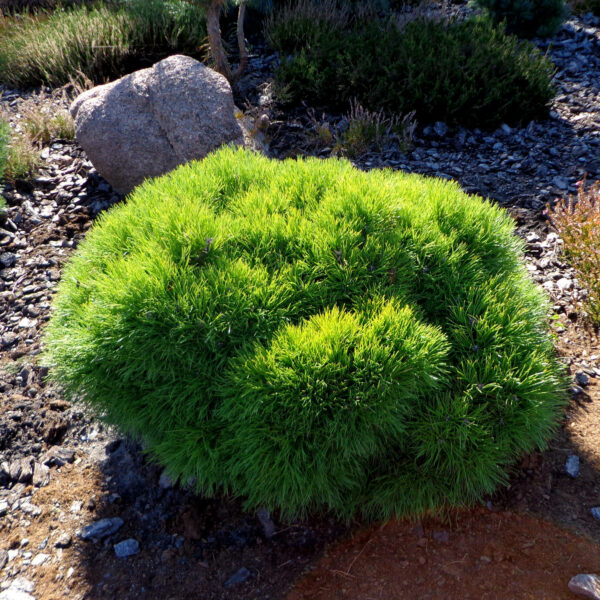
column 467, row 73
column 585, row 6
column 527, row 18
column 100, row 42
column 311, row 336
column 577, row 221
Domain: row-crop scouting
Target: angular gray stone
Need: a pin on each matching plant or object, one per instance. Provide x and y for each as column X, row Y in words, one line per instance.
column 101, row 529
column 64, row 541
column 147, row 123
column 19, row 589
column 586, row 585
column 41, row 475
column 238, row 577
column 127, row 548
column 572, row 465
column 267, row 523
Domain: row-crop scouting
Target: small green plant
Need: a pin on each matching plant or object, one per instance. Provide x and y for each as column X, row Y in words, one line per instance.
column 43, row 124
column 23, row 158
column 578, row 224
column 4, row 141
column 527, row 18
column 310, row 336
column 374, row 130
column 469, row 73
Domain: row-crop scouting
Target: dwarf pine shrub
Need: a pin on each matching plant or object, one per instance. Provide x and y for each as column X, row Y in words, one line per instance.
column 527, row 18
column 310, row 336
column 469, row 73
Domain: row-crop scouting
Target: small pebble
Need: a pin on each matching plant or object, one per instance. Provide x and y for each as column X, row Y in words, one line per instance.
column 238, row 577
column 572, row 466
column 127, row 548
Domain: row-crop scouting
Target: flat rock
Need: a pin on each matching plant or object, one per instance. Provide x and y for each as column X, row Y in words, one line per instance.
column 586, row 585
column 149, row 122
column 98, row 530
column 126, row 548
column 572, row 465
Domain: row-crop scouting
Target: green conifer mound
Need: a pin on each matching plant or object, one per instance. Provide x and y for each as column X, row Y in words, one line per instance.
column 309, row 336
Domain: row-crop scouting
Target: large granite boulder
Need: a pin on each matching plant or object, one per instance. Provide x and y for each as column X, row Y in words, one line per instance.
column 150, row 121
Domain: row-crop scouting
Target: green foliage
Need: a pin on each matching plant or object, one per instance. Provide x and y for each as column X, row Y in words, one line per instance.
column 467, row 73
column 527, row 18
column 585, row 6
column 310, row 336
column 99, row 42
column 4, row 140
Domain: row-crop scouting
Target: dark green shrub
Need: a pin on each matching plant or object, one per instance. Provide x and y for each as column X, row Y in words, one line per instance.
column 585, row 6
column 527, row 18
column 101, row 42
column 467, row 73
column 310, row 336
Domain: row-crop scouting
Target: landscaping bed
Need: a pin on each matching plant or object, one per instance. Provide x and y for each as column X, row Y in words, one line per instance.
column 62, row 470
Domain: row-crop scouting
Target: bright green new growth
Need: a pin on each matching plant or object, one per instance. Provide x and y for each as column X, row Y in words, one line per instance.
column 310, row 336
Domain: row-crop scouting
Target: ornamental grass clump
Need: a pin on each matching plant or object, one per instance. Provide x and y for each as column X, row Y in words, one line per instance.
column 577, row 221
column 97, row 42
column 309, row 336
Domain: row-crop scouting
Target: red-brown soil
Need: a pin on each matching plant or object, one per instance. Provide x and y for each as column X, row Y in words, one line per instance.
column 480, row 554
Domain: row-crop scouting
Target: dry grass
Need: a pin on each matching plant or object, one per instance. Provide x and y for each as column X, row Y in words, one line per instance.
column 42, row 119
column 577, row 221
column 42, row 122
column 368, row 130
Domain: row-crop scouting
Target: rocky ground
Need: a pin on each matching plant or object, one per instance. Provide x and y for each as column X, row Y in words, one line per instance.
column 83, row 514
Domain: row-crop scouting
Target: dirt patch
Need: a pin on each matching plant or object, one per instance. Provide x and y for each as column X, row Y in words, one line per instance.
column 480, row 554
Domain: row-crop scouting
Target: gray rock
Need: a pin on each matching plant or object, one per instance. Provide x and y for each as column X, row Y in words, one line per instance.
column 238, row 577
column 8, row 259
column 30, row 509
column 587, row 585
column 3, row 508
column 440, row 128
column 19, row 589
column 64, row 541
column 265, row 520
column 582, row 379
column 572, row 465
column 98, row 530
column 165, row 482
column 58, row 456
column 560, row 182
column 127, row 548
column 39, row 559
column 41, row 475
column 14, row 594
column 148, row 122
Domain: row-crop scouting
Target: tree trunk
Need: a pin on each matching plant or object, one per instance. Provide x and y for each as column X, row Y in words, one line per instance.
column 213, row 27
column 241, row 41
